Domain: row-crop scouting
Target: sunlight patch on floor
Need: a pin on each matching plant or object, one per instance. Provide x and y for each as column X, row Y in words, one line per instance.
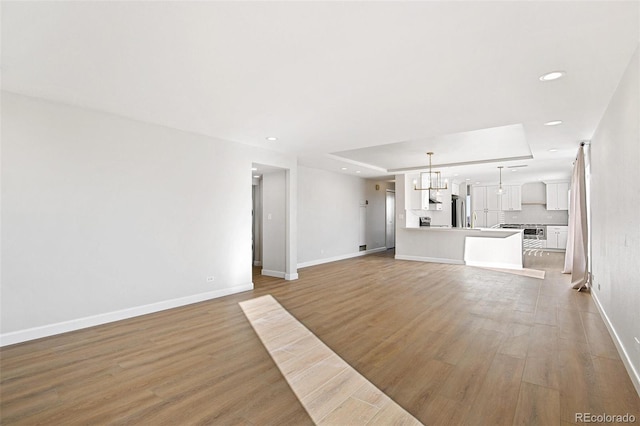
column 332, row 392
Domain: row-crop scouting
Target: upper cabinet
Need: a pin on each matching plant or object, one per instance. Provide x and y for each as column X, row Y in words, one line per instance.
column 512, row 198
column 413, row 198
column 558, row 196
column 455, row 188
column 493, row 198
column 487, row 198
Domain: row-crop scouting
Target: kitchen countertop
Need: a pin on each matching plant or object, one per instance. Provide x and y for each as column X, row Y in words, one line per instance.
column 478, row 232
column 537, row 224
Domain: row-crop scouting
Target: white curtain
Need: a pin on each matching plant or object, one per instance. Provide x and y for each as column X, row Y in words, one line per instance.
column 576, row 259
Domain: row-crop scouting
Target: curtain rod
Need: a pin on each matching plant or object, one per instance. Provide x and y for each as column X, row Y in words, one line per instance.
column 583, row 143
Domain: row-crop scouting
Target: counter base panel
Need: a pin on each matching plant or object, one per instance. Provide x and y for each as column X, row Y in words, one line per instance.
column 429, row 259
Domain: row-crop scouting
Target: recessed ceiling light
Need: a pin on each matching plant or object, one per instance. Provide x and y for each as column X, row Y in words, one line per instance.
column 357, row 171
column 455, row 174
column 553, row 150
column 343, row 168
column 272, row 138
column 467, row 179
column 514, row 170
column 254, row 169
column 257, row 176
column 553, row 123
column 553, row 75
column 477, row 183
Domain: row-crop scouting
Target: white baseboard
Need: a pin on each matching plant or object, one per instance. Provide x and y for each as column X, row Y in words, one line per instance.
column 341, row 257
column 633, row 373
column 429, row 259
column 279, row 274
column 269, row 273
column 80, row 323
column 494, row 265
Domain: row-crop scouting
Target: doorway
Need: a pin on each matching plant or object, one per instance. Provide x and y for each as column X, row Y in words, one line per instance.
column 390, row 219
column 269, row 220
column 454, row 211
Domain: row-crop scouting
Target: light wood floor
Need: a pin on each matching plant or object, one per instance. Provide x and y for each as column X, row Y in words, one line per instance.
column 448, row 343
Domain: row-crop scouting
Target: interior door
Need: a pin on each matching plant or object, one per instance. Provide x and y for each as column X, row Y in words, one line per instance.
column 390, row 230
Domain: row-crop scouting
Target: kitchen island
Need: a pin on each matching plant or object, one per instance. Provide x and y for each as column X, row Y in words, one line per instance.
column 487, row 247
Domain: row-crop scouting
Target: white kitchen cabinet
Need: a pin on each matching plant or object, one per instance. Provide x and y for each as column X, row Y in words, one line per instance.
column 494, row 217
column 413, row 198
column 487, row 219
column 512, row 198
column 557, row 237
column 486, row 204
column 479, row 198
column 558, row 196
column 493, row 198
column 485, row 198
column 455, row 188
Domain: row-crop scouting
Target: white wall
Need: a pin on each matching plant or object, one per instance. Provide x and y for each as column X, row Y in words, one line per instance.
column 615, row 202
column 105, row 217
column 328, row 214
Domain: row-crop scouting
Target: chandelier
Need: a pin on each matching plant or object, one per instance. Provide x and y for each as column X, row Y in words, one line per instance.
column 435, row 179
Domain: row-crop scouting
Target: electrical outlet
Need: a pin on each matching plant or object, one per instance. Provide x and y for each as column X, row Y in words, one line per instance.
column 211, row 279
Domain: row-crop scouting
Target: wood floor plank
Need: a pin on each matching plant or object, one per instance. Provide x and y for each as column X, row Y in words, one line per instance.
column 537, row 406
column 618, row 393
column 350, row 412
column 497, row 397
column 542, row 365
column 467, row 376
column 597, row 336
column 579, row 391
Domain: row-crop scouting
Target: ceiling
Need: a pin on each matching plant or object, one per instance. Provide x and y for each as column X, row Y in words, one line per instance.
column 362, row 86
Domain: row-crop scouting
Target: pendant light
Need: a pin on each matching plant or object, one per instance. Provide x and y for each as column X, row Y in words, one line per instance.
column 500, row 189
column 435, row 179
